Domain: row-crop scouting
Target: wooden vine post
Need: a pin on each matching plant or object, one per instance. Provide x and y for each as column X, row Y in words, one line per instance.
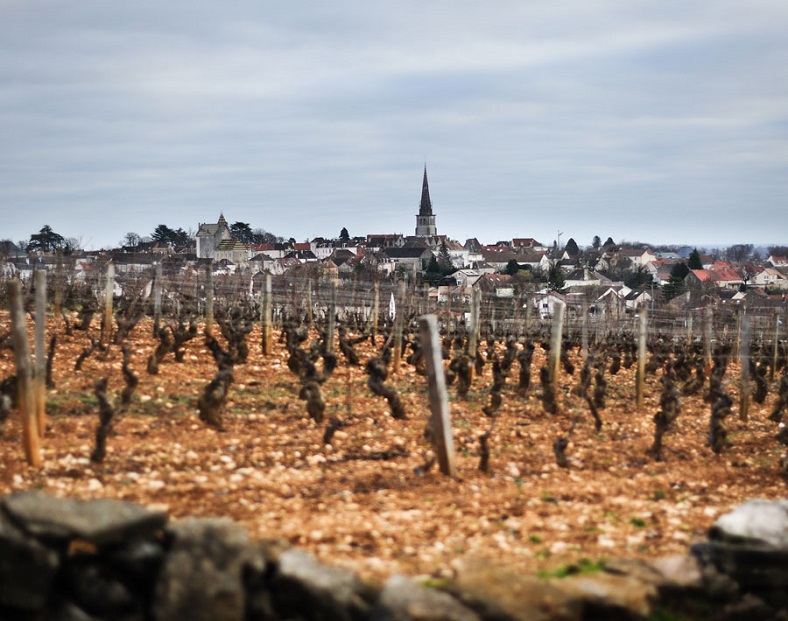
column 689, row 331
column 375, row 311
column 58, row 302
column 584, row 331
column 310, row 320
column 267, row 319
column 332, row 318
column 108, row 293
column 473, row 333
column 707, row 335
column 556, row 333
column 640, row 378
column 440, row 418
column 30, row 439
column 157, row 299
column 209, row 297
column 39, row 375
column 399, row 320
column 776, row 346
column 744, row 361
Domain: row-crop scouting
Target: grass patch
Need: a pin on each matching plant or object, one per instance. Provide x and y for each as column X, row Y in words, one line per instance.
column 583, row 567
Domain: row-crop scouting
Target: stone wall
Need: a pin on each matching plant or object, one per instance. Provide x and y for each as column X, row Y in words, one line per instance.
column 70, row 560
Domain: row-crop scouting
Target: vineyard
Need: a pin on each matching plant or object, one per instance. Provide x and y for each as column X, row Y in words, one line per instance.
column 304, row 409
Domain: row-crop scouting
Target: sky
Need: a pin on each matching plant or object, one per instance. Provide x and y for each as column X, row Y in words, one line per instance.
column 654, row 121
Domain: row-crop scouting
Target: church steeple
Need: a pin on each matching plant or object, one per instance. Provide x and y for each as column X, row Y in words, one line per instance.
column 425, row 221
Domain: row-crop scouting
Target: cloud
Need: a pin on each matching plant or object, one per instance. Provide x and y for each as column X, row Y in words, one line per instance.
column 614, row 118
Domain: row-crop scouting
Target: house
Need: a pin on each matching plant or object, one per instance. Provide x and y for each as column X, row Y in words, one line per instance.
column 497, row 285
column 466, row 277
column 545, row 301
column 778, row 261
column 527, row 243
column 209, row 236
column 583, row 277
column 233, row 251
column 410, row 259
column 639, row 257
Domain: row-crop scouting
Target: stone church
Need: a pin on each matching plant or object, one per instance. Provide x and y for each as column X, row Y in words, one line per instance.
column 209, row 236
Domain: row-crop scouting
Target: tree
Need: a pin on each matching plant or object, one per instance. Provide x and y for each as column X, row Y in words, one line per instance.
column 571, row 248
column 777, row 251
column 46, row 240
column 166, row 235
column 344, row 236
column 596, row 242
column 739, row 253
column 555, row 276
column 242, row 232
column 512, row 267
column 131, row 240
column 433, row 271
column 640, row 277
column 675, row 285
column 444, row 259
column 609, row 242
column 694, row 261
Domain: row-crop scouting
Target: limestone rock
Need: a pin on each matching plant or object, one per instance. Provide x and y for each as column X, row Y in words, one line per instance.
column 404, row 599
column 609, row 596
column 101, row 521
column 496, row 593
column 756, row 521
column 303, row 588
column 27, row 569
column 202, row 576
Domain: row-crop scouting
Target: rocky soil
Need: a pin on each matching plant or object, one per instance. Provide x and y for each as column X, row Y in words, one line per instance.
column 364, row 501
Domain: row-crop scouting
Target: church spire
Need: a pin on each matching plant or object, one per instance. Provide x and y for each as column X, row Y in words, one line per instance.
column 425, row 207
column 425, row 220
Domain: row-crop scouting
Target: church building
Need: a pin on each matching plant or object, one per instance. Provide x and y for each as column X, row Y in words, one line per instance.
column 209, row 236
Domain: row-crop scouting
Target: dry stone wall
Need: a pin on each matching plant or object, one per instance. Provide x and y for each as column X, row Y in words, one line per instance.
column 74, row 560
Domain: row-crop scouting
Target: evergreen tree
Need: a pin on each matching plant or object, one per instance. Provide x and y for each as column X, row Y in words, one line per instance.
column 675, row 285
column 46, row 240
column 242, row 232
column 512, row 267
column 694, row 262
column 444, row 259
column 344, row 236
column 596, row 242
column 555, row 277
column 571, row 247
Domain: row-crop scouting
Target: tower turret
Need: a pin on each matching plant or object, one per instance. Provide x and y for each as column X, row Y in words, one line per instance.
column 425, row 220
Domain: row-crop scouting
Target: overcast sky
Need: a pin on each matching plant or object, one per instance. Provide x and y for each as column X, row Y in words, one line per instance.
column 659, row 121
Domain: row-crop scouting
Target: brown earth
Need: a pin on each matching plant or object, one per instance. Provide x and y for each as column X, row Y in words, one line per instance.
column 359, row 502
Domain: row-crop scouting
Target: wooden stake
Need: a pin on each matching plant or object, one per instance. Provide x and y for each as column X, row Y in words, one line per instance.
column 108, row 293
column 209, row 297
column 375, row 311
column 399, row 320
column 157, row 299
column 640, row 377
column 332, row 318
column 555, row 342
column 707, row 335
column 440, row 419
column 744, row 361
column 267, row 319
column 776, row 347
column 30, row 440
column 473, row 332
column 39, row 375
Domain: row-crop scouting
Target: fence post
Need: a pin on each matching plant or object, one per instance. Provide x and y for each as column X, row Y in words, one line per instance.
column 109, row 290
column 641, row 369
column 26, row 399
column 310, row 320
column 440, row 419
column 40, row 372
column 473, row 334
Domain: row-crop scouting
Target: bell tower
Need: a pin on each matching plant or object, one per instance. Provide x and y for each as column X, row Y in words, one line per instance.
column 425, row 220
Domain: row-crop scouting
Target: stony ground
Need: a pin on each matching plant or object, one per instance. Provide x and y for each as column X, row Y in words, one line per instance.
column 362, row 501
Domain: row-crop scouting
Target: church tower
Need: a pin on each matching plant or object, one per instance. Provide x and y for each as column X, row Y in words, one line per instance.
column 425, row 221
